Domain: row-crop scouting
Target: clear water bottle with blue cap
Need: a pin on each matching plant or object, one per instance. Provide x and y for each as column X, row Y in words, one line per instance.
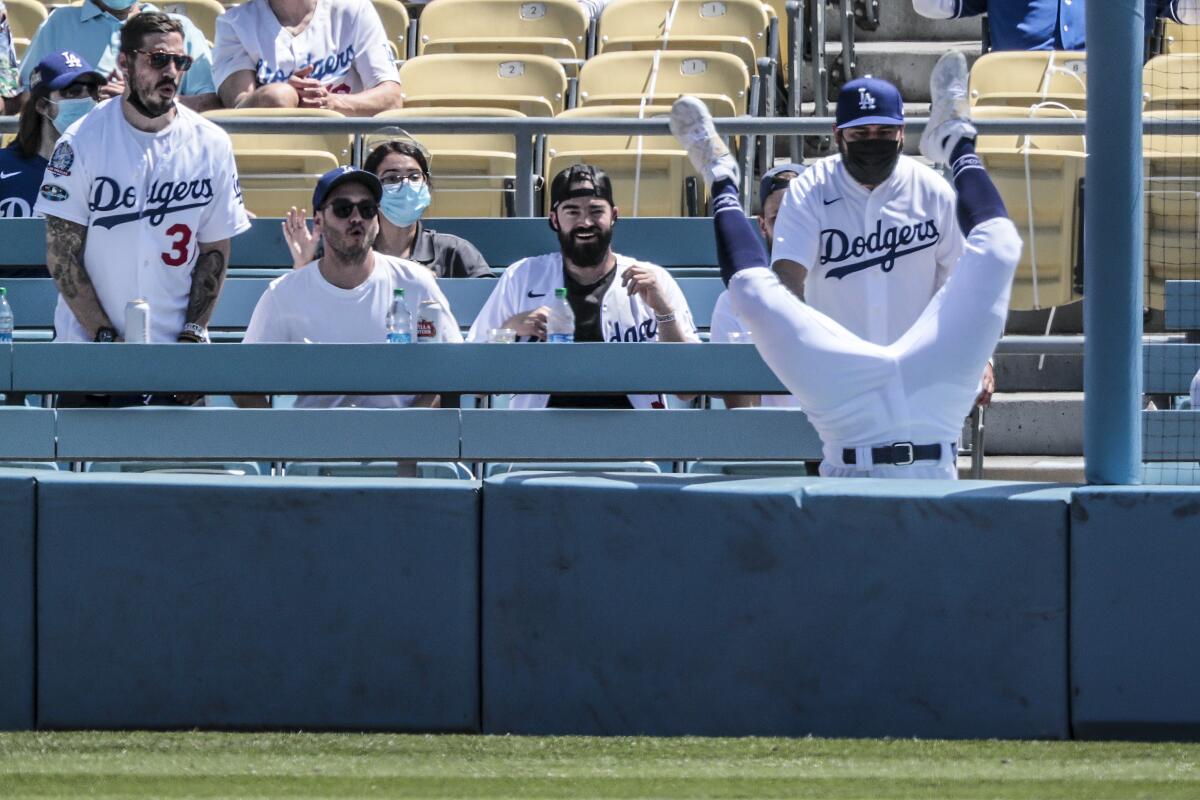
column 6, row 318
column 560, row 327
column 399, row 320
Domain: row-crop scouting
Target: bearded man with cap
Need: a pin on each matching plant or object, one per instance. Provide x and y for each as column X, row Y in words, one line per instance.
column 868, row 236
column 615, row 298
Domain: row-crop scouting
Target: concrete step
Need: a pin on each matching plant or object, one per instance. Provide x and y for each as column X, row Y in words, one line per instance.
column 1038, row 374
column 898, row 22
column 907, row 64
column 1050, row 469
column 1034, row 424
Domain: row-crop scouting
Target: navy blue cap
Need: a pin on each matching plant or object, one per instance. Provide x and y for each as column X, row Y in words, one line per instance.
column 869, row 101
column 772, row 180
column 339, row 175
column 59, row 70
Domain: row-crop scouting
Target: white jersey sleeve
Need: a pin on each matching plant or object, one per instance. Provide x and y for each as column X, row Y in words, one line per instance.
column 226, row 216
column 724, row 320
column 798, row 227
column 500, row 305
column 230, row 53
column 65, row 186
column 373, row 60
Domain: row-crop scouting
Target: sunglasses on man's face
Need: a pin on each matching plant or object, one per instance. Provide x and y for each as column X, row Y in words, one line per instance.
column 342, row 209
column 159, row 59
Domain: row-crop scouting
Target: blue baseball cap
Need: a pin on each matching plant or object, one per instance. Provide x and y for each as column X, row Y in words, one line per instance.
column 776, row 178
column 340, row 175
column 869, row 101
column 59, row 70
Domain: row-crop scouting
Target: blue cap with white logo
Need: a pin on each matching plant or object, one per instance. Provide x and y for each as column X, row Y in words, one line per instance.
column 869, row 101
column 339, row 175
column 60, row 70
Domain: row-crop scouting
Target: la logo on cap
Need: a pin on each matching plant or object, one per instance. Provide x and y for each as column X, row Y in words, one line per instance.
column 866, row 100
column 71, row 59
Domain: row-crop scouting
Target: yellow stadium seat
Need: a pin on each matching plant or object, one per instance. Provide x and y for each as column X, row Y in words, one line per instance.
column 1024, row 79
column 1039, row 178
column 24, row 17
column 1172, row 82
column 473, row 173
column 1172, row 219
column 721, row 80
column 20, row 45
column 394, row 16
column 738, row 27
column 202, row 13
column 1182, row 38
column 278, row 171
column 554, row 28
column 534, row 85
column 654, row 183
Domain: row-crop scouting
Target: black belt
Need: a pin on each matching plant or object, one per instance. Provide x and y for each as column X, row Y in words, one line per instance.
column 900, row 454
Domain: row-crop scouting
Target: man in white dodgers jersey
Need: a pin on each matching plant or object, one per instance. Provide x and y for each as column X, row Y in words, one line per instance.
column 345, row 296
column 614, row 298
column 725, row 325
column 141, row 198
column 305, row 54
column 867, row 236
column 890, row 410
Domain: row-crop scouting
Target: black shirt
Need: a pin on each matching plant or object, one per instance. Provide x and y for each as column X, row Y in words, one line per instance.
column 447, row 255
column 586, row 302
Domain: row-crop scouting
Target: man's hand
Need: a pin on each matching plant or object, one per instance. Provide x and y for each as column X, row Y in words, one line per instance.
column 989, row 386
column 530, row 323
column 115, row 86
column 309, row 90
column 301, row 241
column 642, row 282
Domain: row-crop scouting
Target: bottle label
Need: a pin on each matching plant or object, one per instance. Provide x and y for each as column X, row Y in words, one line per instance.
column 399, row 338
column 561, row 338
column 426, row 330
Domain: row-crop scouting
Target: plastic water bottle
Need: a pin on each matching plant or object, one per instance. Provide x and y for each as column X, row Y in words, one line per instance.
column 6, row 318
column 399, row 320
column 560, row 328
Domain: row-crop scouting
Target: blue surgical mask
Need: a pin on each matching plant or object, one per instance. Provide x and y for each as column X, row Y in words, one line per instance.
column 403, row 204
column 71, row 110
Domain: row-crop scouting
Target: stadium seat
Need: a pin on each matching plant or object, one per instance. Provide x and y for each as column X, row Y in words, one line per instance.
column 20, row 45
column 202, row 13
column 1024, row 79
column 738, row 27
column 554, row 28
column 1172, row 82
column 1172, row 218
column 503, row 468
column 1040, row 179
column 180, row 467
column 721, row 80
column 394, row 16
column 473, row 173
column 534, row 85
column 1182, row 38
column 24, row 17
column 653, row 183
column 446, row 470
column 278, row 171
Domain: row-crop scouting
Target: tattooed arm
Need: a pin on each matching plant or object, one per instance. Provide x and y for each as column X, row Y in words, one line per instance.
column 64, row 259
column 207, row 279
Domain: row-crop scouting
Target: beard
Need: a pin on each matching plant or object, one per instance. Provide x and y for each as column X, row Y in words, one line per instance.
column 347, row 249
column 149, row 102
column 588, row 253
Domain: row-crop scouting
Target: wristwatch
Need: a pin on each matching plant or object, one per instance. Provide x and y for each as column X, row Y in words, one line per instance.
column 193, row 333
column 105, row 335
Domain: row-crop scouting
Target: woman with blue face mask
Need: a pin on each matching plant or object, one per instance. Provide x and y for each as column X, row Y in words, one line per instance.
column 63, row 89
column 402, row 166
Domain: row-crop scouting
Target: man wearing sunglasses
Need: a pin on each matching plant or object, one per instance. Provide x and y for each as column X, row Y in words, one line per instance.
column 92, row 30
column 141, row 197
column 344, row 296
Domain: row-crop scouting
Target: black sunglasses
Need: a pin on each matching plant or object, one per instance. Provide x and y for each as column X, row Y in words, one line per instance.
column 342, row 209
column 159, row 59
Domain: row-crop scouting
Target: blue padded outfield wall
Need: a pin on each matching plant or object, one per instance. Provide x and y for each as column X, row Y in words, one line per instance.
column 599, row 604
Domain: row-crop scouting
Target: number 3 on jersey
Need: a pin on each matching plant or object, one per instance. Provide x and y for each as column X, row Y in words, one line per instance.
column 181, row 236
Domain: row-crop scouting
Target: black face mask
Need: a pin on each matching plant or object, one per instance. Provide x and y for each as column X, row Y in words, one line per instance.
column 871, row 161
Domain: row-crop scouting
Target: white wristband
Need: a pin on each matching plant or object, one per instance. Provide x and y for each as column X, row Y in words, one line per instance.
column 664, row 317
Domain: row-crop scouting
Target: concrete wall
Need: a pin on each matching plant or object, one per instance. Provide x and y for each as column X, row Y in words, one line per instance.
column 16, row 602
column 659, row 605
column 257, row 603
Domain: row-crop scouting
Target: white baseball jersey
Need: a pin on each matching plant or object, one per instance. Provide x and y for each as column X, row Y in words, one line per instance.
column 302, row 306
column 344, row 42
column 148, row 201
column 726, row 321
column 530, row 283
column 874, row 258
column 860, row 395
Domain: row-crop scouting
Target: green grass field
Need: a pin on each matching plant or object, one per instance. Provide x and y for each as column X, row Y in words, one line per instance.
column 207, row 765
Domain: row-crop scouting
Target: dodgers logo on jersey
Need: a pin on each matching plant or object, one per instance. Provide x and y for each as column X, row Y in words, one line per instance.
column 163, row 198
column 61, row 160
column 324, row 69
column 884, row 246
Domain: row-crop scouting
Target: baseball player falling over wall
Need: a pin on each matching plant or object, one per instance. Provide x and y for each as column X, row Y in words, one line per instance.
column 891, row 411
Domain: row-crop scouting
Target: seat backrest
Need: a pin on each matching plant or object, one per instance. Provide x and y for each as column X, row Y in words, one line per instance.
column 1172, row 82
column 202, row 13
column 623, row 78
column 532, row 84
column 1019, row 78
column 1182, row 38
column 24, row 17
column 631, row 20
column 1074, row 143
column 338, row 144
column 541, row 23
column 394, row 16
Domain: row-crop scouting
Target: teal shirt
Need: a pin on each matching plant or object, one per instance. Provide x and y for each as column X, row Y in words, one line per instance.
column 96, row 35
